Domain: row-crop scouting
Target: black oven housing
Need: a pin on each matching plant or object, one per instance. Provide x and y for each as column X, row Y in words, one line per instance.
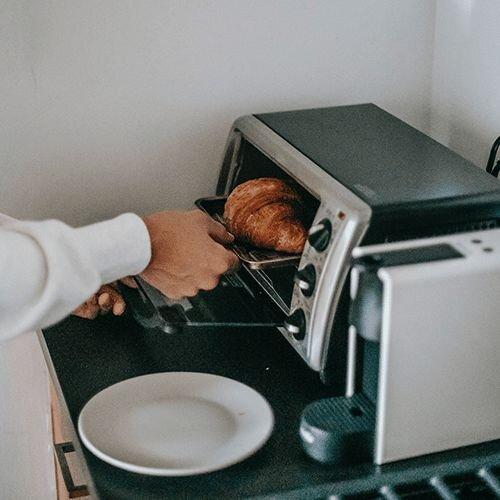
column 414, row 185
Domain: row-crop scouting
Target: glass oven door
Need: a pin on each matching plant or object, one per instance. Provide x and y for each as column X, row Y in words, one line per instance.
column 234, row 302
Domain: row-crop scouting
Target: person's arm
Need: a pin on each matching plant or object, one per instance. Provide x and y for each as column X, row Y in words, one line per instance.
column 47, row 269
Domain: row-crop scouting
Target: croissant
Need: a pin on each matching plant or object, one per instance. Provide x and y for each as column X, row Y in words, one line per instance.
column 265, row 212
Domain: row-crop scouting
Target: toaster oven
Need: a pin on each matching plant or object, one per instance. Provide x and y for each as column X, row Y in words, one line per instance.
column 366, row 178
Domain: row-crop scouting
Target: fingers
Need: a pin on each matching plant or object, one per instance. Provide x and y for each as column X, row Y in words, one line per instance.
column 209, row 283
column 215, row 229
column 177, row 291
column 109, row 299
column 219, row 233
column 176, row 288
column 106, row 299
column 223, row 261
column 119, row 308
column 233, row 261
column 89, row 309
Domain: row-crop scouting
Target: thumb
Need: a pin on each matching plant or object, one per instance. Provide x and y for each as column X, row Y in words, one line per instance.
column 219, row 233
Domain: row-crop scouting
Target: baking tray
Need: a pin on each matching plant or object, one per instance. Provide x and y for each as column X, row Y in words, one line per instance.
column 254, row 258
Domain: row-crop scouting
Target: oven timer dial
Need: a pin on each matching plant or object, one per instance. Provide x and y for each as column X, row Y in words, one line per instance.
column 305, row 279
column 320, row 234
column 295, row 324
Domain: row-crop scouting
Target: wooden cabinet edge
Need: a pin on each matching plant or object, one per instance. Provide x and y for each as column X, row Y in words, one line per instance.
column 64, row 431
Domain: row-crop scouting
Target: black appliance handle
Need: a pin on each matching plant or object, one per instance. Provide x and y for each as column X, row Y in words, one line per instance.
column 491, row 168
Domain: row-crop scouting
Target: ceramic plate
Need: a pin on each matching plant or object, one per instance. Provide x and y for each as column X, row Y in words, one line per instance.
column 175, row 424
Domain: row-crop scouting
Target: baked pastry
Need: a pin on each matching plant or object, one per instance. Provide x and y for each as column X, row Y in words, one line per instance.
column 266, row 213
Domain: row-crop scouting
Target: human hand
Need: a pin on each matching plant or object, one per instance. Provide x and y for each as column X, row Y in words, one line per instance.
column 188, row 253
column 106, row 299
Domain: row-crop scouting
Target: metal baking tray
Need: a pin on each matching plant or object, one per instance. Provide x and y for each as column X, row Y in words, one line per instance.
column 254, row 258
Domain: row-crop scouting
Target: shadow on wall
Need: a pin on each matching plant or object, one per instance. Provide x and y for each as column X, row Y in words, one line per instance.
column 465, row 140
column 470, row 142
column 466, row 77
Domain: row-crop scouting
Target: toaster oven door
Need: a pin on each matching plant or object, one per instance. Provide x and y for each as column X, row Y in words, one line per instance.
column 233, row 303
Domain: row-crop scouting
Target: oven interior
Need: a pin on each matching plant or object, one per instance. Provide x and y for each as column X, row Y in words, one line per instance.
column 241, row 299
column 277, row 282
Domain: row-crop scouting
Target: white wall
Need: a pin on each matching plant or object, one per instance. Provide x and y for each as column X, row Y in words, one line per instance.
column 125, row 105
column 466, row 77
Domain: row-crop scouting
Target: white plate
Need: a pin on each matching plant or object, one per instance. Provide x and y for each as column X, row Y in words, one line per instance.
column 175, row 424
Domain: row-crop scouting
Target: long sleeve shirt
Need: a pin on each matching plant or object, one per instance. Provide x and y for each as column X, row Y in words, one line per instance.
column 47, row 268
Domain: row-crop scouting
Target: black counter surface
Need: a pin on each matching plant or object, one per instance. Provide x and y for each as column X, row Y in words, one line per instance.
column 89, row 356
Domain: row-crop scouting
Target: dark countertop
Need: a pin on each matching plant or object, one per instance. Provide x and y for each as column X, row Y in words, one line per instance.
column 89, row 356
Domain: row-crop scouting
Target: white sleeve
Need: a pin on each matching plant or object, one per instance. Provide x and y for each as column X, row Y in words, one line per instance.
column 47, row 269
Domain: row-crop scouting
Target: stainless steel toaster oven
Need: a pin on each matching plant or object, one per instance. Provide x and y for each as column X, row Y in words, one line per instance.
column 366, row 178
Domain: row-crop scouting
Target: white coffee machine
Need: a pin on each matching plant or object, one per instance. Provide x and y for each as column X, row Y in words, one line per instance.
column 424, row 352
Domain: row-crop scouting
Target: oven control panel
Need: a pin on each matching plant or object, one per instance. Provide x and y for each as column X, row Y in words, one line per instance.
column 324, row 235
column 320, row 235
column 255, row 150
column 305, row 279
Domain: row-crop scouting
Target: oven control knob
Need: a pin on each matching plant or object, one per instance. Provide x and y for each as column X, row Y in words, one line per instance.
column 295, row 324
column 320, row 234
column 306, row 279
